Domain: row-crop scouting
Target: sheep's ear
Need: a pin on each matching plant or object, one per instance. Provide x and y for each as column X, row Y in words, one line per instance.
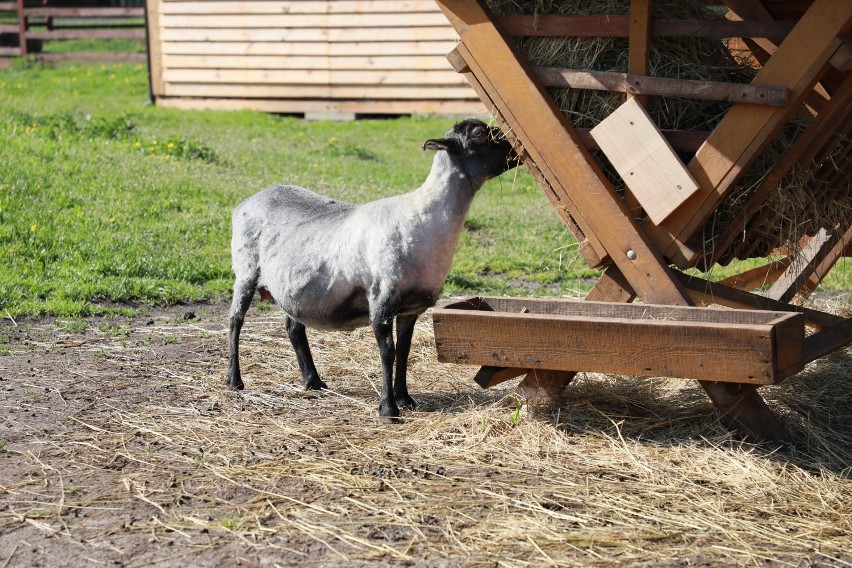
column 439, row 144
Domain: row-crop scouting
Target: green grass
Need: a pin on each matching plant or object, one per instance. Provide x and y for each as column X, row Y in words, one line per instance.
column 107, row 202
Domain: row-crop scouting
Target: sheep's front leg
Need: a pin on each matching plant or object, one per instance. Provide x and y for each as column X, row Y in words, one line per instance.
column 404, row 334
column 383, row 329
column 299, row 340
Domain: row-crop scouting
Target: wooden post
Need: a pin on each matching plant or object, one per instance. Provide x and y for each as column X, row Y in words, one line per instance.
column 22, row 28
column 639, row 47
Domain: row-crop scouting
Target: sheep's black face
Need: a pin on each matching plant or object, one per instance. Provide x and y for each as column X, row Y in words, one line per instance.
column 480, row 150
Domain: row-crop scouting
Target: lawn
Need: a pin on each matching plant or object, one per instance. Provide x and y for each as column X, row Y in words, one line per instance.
column 108, row 203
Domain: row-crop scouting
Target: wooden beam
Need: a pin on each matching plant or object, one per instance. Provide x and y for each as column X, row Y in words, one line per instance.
column 834, row 117
column 555, row 148
column 746, row 129
column 640, row 43
column 705, row 292
column 844, row 243
column 757, row 277
column 592, row 251
column 658, row 341
column 619, row 26
column 828, row 340
column 661, row 86
column 802, row 266
column 153, row 28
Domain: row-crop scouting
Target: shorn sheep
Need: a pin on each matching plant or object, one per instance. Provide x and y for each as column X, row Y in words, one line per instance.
column 336, row 266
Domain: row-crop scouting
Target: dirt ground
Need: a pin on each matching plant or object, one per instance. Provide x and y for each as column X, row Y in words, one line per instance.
column 121, row 446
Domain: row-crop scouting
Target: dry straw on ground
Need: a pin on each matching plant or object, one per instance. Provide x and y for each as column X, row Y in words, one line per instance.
column 809, row 198
column 122, row 445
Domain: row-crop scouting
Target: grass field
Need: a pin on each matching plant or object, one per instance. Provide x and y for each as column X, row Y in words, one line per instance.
column 107, row 202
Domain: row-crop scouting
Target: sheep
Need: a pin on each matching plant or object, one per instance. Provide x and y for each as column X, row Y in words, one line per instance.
column 332, row 265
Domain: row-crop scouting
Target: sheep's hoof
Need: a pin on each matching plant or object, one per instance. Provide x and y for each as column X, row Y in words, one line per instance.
column 315, row 385
column 235, row 384
column 405, row 401
column 388, row 413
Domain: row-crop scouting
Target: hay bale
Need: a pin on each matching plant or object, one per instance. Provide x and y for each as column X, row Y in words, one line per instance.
column 808, row 199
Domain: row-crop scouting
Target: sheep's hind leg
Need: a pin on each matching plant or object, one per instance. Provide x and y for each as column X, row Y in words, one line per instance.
column 383, row 329
column 243, row 293
column 404, row 334
column 299, row 339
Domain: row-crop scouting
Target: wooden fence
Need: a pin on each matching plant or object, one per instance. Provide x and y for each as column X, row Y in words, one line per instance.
column 314, row 57
column 36, row 25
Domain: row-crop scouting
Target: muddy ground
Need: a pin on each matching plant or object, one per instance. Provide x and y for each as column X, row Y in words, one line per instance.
column 120, row 446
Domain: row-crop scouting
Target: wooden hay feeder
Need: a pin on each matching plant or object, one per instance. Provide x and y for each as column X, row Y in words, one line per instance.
column 645, row 236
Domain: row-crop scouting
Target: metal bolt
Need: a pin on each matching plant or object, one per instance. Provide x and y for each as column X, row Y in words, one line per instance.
column 631, row 254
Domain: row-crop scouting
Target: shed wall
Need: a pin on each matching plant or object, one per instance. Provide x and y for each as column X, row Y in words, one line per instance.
column 305, row 56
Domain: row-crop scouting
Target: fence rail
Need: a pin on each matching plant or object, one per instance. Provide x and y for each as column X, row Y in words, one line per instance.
column 36, row 25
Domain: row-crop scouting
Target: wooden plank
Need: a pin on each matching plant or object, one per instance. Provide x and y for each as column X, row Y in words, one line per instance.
column 801, row 267
column 8, row 6
column 659, row 348
column 308, row 34
column 619, row 26
column 841, row 247
column 746, row 129
column 553, row 145
column 707, row 293
column 299, row 7
column 285, row 91
column 661, row 86
column 84, row 12
column 10, row 51
column 828, row 340
column 88, row 34
column 325, row 77
column 842, row 59
column 94, row 56
column 757, row 277
column 429, row 106
column 644, row 160
column 312, row 62
column 22, row 28
column 338, row 49
column 411, row 20
column 617, row 311
column 590, row 247
column 639, row 33
column 155, row 56
column 834, row 117
column 687, row 141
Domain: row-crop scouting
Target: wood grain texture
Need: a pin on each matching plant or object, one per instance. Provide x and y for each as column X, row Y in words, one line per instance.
column 388, row 57
column 643, row 158
column 730, row 348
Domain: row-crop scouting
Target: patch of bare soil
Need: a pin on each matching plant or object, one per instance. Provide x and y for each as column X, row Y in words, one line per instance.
column 121, row 446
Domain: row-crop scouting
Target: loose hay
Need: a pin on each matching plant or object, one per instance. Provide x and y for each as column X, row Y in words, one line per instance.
column 123, row 445
column 812, row 197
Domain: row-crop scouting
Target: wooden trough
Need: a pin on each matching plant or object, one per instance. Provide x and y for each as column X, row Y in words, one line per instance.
column 646, row 236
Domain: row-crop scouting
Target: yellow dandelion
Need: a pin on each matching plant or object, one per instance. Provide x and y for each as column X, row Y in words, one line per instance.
column 33, row 228
column 170, row 145
column 111, row 220
column 332, row 140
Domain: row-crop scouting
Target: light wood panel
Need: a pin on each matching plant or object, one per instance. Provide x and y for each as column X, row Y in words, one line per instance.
column 296, row 51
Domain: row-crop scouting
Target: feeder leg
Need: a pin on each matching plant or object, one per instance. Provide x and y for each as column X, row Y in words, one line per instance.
column 743, row 410
column 543, row 386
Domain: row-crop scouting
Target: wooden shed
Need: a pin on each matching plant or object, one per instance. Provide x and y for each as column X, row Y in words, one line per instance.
column 315, row 57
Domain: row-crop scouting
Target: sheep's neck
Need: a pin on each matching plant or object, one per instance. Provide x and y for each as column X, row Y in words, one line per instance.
column 447, row 192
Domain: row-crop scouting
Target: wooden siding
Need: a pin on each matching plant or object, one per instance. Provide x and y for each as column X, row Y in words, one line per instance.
column 308, row 56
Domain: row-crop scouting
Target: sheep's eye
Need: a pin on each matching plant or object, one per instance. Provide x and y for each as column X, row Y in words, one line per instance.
column 478, row 132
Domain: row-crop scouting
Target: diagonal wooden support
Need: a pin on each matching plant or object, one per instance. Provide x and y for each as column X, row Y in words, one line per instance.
column 798, row 64
column 531, row 116
column 802, row 267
